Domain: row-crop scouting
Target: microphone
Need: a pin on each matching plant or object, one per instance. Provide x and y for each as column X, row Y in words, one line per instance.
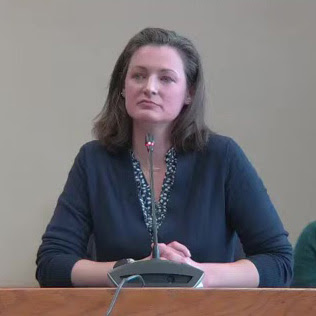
column 149, row 143
column 156, row 272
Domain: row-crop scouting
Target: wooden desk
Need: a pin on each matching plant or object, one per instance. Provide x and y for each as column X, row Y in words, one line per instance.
column 95, row 301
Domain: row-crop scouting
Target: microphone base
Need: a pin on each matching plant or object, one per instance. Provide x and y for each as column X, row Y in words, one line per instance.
column 158, row 273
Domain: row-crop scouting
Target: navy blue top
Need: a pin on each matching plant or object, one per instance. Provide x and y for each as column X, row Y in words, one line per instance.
column 216, row 194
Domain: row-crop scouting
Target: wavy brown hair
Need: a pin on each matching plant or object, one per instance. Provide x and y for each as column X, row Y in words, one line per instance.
column 113, row 126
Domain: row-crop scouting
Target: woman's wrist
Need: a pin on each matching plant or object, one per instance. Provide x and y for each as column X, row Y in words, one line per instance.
column 242, row 273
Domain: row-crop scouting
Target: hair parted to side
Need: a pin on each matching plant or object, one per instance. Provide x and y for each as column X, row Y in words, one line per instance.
column 113, row 126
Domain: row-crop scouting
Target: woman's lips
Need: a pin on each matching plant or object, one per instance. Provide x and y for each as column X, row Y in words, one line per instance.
column 147, row 103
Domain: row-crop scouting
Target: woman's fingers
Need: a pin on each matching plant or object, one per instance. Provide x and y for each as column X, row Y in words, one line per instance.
column 180, row 248
column 174, row 251
column 166, row 250
column 173, row 256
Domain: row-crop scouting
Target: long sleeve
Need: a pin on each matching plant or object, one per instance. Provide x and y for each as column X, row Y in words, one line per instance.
column 305, row 258
column 256, row 221
column 66, row 237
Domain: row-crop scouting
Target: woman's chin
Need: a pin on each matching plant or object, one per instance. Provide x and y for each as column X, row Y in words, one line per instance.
column 148, row 117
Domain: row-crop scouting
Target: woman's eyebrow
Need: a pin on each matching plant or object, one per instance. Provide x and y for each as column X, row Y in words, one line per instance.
column 160, row 70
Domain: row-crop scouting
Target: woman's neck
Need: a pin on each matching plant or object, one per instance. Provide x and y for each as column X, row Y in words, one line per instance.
column 162, row 145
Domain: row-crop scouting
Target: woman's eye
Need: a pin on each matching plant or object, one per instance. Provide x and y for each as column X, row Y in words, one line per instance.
column 167, row 79
column 138, row 76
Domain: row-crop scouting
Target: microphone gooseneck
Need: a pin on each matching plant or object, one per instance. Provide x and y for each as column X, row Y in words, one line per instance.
column 149, row 143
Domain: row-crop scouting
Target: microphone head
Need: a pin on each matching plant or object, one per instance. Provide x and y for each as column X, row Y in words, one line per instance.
column 149, row 142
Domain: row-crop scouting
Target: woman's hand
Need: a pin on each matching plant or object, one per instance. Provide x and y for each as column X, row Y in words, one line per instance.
column 175, row 252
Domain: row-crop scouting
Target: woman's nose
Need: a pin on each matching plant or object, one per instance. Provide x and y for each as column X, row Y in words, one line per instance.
column 151, row 87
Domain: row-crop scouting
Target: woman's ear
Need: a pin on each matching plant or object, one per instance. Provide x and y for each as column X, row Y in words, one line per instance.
column 188, row 98
column 123, row 94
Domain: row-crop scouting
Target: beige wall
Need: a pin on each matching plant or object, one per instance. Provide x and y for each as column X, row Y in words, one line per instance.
column 55, row 62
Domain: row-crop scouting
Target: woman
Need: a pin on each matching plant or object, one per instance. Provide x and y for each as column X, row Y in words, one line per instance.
column 206, row 189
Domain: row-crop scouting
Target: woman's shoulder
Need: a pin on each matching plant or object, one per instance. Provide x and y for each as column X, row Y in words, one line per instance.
column 98, row 146
column 217, row 140
column 92, row 146
column 225, row 151
column 95, row 149
column 221, row 145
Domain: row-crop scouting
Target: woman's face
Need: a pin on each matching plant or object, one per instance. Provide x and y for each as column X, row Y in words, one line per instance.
column 155, row 85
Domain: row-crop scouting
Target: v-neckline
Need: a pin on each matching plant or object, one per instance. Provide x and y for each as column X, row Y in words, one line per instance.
column 177, row 199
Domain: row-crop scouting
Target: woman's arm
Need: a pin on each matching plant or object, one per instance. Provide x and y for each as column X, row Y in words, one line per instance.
column 65, row 240
column 91, row 273
column 251, row 213
column 242, row 273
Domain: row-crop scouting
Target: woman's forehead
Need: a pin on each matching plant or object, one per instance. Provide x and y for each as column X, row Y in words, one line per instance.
column 157, row 57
